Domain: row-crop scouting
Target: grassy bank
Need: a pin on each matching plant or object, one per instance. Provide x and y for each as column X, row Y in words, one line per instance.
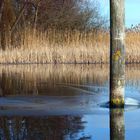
column 66, row 46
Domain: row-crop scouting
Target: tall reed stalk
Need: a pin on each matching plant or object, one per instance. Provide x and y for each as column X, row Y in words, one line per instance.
column 53, row 46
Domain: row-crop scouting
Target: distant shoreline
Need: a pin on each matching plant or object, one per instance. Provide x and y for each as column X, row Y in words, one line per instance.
column 63, row 64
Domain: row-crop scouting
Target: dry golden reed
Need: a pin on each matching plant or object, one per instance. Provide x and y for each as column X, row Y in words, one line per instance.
column 53, row 46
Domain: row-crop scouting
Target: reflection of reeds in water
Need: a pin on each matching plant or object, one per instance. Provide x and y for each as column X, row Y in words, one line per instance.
column 58, row 73
column 30, row 78
column 67, row 72
column 133, row 75
column 133, row 72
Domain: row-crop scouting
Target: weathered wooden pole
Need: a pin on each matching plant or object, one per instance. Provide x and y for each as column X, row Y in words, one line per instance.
column 117, row 126
column 117, row 53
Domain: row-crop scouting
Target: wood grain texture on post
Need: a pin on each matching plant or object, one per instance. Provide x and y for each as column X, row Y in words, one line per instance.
column 117, row 53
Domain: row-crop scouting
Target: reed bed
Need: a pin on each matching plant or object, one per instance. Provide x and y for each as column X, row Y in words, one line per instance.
column 53, row 46
column 132, row 47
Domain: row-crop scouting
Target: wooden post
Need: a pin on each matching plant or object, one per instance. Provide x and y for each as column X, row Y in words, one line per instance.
column 117, row 126
column 117, row 53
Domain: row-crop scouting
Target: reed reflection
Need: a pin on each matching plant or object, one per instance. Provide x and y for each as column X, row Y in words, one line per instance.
column 117, row 126
column 49, row 79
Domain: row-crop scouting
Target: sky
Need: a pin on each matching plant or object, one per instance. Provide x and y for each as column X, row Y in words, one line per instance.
column 132, row 11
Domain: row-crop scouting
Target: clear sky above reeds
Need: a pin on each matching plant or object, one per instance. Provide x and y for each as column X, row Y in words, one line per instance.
column 132, row 10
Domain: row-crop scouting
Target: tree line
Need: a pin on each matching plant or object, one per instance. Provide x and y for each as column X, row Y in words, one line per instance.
column 43, row 14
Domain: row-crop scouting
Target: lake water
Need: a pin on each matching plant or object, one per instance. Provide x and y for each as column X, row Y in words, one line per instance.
column 62, row 102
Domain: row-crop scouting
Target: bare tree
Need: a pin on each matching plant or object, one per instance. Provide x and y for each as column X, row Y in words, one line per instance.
column 7, row 18
column 44, row 14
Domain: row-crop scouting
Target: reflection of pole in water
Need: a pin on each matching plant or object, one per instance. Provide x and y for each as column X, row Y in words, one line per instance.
column 117, row 128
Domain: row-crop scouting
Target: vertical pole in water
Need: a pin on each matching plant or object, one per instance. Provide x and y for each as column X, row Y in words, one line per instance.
column 117, row 53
